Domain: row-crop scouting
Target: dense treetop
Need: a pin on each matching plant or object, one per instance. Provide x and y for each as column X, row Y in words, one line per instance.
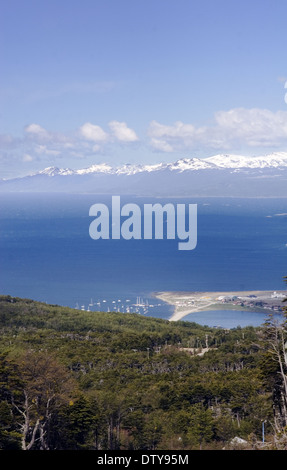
column 72, row 379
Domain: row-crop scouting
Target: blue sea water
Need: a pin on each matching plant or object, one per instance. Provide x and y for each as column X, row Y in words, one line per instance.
column 46, row 254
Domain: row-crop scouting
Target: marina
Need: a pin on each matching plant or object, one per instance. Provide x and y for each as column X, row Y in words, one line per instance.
column 139, row 305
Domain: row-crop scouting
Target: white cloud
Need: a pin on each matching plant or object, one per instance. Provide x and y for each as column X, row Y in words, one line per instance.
column 161, row 144
column 96, row 148
column 169, row 138
column 232, row 129
column 27, row 158
column 36, row 133
column 238, row 129
column 122, row 132
column 37, row 130
column 93, row 132
column 256, row 127
column 42, row 149
column 5, row 140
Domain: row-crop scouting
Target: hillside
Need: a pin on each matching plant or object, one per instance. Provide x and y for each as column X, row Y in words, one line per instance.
column 89, row 380
column 216, row 176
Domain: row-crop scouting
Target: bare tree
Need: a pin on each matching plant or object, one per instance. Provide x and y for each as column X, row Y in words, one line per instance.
column 46, row 385
column 276, row 339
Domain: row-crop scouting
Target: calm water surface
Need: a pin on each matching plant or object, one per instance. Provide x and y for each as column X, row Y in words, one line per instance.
column 46, row 254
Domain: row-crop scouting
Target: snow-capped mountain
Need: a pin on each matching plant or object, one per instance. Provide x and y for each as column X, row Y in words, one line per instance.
column 53, row 171
column 275, row 160
column 218, row 175
column 100, row 168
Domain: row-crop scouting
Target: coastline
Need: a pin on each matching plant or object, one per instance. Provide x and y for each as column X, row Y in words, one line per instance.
column 186, row 303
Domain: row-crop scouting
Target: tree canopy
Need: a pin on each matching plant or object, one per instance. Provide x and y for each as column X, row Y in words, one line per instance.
column 78, row 380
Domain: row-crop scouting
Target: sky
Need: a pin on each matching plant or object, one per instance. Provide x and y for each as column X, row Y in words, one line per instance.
column 84, row 82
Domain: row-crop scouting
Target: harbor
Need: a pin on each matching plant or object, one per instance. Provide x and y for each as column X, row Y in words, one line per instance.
column 140, row 305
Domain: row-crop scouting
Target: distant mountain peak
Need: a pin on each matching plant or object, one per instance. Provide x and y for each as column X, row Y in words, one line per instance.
column 54, row 171
column 96, row 168
column 218, row 175
column 191, row 164
column 220, row 161
column 273, row 160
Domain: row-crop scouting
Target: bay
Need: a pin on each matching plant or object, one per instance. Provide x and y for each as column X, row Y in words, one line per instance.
column 230, row 318
column 46, row 254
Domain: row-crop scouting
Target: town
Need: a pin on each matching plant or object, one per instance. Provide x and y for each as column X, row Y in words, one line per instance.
column 191, row 302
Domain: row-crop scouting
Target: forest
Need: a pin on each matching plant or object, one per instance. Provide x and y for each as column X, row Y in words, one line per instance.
column 78, row 380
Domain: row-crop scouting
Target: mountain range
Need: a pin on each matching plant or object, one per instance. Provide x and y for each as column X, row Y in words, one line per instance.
column 218, row 175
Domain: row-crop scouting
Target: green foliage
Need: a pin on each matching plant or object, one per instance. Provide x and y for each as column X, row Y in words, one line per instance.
column 94, row 380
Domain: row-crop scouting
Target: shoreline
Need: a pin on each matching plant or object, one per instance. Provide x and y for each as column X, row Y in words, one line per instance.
column 186, row 303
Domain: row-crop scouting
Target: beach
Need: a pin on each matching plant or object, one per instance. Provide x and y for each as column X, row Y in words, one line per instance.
column 185, row 303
